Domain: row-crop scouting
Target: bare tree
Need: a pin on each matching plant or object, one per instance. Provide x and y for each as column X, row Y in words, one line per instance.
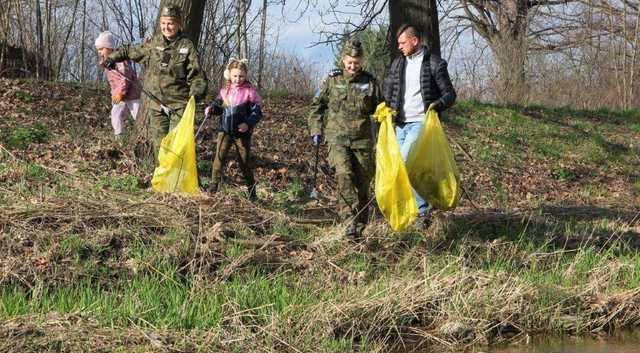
column 40, row 36
column 82, row 39
column 242, row 7
column 263, row 34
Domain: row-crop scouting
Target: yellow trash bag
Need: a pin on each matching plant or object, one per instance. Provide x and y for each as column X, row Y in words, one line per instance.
column 177, row 171
column 432, row 168
column 393, row 190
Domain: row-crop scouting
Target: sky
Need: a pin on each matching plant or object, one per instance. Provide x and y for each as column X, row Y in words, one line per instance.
column 298, row 34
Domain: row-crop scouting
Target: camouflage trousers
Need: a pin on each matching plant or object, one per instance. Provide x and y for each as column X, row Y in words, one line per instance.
column 354, row 169
column 160, row 124
column 243, row 146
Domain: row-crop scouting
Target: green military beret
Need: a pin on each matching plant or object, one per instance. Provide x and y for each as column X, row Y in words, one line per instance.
column 171, row 11
column 353, row 48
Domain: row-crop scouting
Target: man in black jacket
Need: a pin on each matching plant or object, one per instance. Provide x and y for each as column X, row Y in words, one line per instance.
column 416, row 80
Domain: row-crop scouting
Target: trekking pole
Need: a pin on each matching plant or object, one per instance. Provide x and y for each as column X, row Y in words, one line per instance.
column 201, row 125
column 314, row 192
column 165, row 109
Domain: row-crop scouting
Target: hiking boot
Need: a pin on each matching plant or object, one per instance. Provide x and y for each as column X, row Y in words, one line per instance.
column 424, row 221
column 213, row 188
column 351, row 231
column 354, row 232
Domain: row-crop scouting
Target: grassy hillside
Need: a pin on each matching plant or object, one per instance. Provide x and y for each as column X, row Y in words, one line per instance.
column 545, row 239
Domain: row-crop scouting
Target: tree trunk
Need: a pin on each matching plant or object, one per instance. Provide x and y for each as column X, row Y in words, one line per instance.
column 66, row 40
column 504, row 26
column 82, row 40
column 48, row 40
column 40, row 40
column 192, row 14
column 511, row 55
column 242, row 8
column 4, row 30
column 263, row 34
column 421, row 13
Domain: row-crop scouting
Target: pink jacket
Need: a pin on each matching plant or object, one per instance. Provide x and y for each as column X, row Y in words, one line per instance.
column 245, row 93
column 121, row 86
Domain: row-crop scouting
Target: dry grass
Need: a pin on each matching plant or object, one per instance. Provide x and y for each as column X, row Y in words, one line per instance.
column 278, row 273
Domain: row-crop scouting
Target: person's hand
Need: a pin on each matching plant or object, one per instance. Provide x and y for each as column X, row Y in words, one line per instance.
column 166, row 110
column 316, row 140
column 434, row 106
column 109, row 64
column 117, row 98
column 243, row 127
column 213, row 109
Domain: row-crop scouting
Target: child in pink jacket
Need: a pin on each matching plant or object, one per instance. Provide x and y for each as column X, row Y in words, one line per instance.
column 238, row 105
column 125, row 94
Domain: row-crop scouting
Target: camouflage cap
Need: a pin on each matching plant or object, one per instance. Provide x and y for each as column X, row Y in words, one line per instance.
column 171, row 11
column 353, row 48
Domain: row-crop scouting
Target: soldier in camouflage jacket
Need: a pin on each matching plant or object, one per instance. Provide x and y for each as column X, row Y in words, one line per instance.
column 341, row 112
column 172, row 75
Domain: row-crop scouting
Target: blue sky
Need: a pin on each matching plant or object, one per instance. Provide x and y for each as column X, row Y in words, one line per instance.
column 298, row 37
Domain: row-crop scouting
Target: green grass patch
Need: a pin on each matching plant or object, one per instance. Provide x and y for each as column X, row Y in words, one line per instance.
column 563, row 173
column 25, row 97
column 126, row 183
column 22, row 137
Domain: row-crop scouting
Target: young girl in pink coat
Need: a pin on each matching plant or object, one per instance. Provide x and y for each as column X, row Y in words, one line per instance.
column 125, row 94
column 238, row 105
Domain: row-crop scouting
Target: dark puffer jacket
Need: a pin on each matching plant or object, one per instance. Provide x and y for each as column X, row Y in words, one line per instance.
column 230, row 117
column 236, row 106
column 434, row 82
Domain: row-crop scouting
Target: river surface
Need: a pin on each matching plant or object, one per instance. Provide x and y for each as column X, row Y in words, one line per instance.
column 626, row 343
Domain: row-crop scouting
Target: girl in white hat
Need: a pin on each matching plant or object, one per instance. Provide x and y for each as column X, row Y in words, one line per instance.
column 125, row 89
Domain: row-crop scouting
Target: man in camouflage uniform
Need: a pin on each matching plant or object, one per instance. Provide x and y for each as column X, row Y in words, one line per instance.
column 173, row 73
column 341, row 112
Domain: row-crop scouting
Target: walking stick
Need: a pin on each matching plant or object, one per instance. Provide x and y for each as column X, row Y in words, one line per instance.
column 168, row 111
column 164, row 108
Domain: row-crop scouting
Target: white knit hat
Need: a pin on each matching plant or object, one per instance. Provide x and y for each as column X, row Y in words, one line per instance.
column 105, row 40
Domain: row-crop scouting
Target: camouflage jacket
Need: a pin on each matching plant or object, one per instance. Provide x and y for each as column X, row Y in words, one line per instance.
column 342, row 109
column 173, row 71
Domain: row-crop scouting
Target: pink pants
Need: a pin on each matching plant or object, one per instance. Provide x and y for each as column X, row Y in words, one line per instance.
column 119, row 113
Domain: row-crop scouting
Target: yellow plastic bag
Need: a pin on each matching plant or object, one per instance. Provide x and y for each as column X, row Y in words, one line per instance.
column 393, row 190
column 432, row 168
column 177, row 171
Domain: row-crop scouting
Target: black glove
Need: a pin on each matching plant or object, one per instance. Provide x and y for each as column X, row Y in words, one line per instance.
column 109, row 64
column 215, row 108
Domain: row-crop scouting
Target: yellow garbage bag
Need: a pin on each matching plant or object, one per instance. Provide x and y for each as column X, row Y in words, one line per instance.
column 432, row 168
column 392, row 187
column 177, row 171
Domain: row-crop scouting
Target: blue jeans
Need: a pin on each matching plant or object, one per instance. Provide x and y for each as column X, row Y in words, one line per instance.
column 407, row 134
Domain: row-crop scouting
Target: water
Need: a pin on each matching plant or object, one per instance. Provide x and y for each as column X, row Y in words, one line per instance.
column 624, row 343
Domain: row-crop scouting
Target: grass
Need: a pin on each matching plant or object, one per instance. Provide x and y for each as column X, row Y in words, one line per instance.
column 359, row 296
column 87, row 253
column 22, row 137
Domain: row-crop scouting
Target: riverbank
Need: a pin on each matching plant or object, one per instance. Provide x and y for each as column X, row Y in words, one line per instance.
column 545, row 240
